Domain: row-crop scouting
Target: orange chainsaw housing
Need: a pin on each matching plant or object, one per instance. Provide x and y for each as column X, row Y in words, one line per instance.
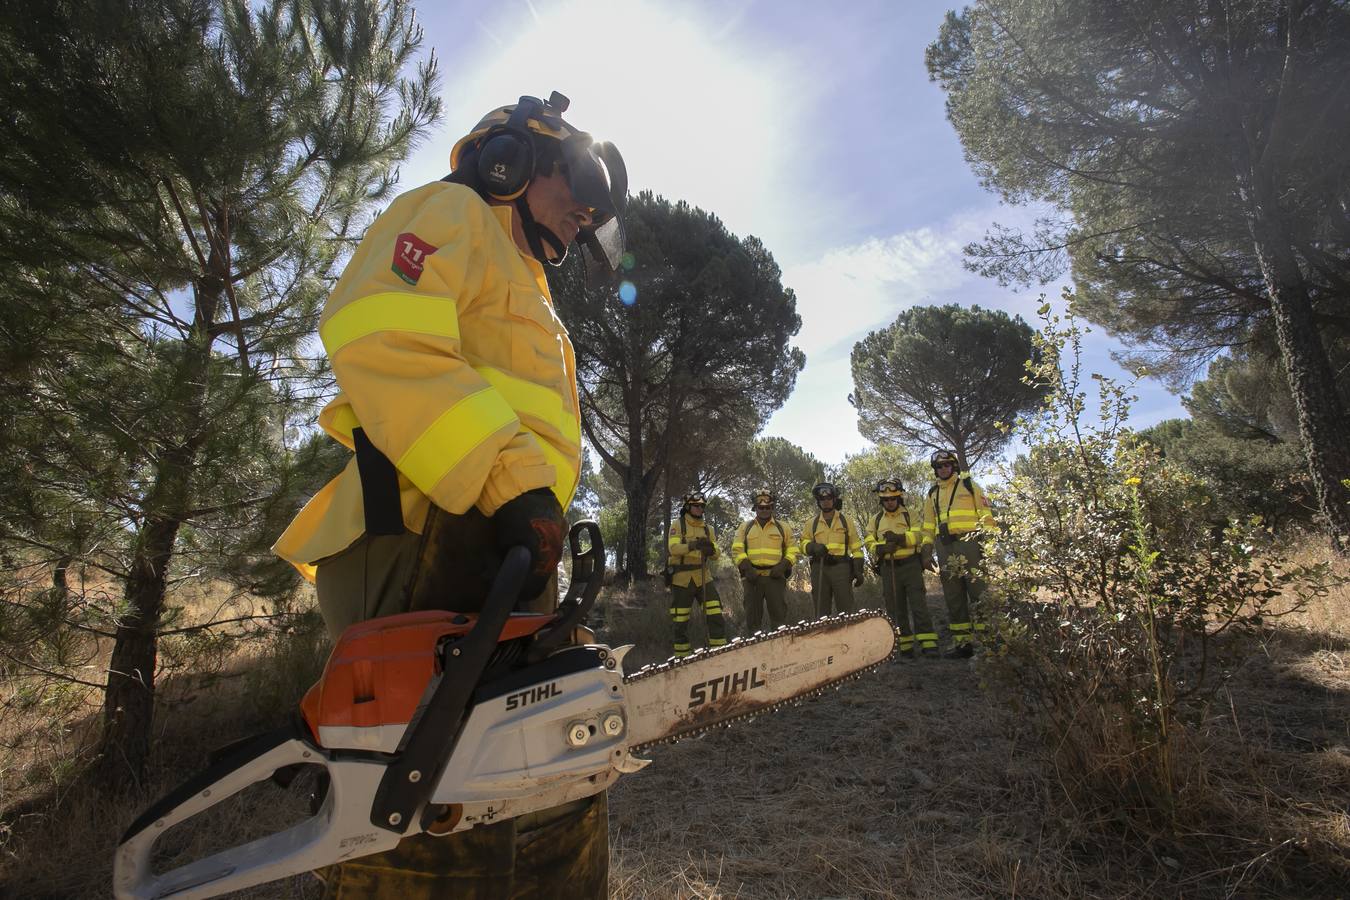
column 379, row 669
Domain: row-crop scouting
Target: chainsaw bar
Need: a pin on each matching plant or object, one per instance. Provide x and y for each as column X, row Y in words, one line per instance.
column 681, row 698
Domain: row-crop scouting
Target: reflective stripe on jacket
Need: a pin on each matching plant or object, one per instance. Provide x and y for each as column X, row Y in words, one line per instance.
column 838, row 536
column 689, row 563
column 899, row 522
column 963, row 509
column 449, row 356
column 764, row 546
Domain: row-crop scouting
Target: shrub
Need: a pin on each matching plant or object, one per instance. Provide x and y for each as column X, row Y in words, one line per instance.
column 1119, row 599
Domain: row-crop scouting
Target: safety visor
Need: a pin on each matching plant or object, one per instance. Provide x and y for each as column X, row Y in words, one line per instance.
column 596, row 174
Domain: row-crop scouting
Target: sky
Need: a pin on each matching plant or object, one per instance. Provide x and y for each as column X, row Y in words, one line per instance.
column 810, row 125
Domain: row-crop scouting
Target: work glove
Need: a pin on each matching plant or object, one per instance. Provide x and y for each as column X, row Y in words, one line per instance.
column 533, row 520
column 896, row 540
column 928, row 562
column 815, row 550
column 746, row 569
column 704, row 546
column 780, row 570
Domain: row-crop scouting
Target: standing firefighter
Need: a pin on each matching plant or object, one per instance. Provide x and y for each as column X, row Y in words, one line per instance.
column 953, row 516
column 764, row 552
column 894, row 539
column 835, row 550
column 692, row 546
column 458, row 398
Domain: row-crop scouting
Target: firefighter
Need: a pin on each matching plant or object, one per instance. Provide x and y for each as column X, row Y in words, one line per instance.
column 954, row 514
column 692, row 547
column 835, row 550
column 764, row 552
column 458, row 398
column 895, row 538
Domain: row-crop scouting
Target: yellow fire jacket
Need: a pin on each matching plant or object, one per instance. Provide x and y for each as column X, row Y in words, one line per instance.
column 838, row 535
column 958, row 502
column 765, row 546
column 901, row 523
column 690, row 565
column 449, row 356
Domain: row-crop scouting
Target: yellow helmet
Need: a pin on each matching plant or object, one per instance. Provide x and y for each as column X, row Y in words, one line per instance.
column 762, row 497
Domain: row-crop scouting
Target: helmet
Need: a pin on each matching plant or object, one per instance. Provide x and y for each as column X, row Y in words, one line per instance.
column 762, row 497
column 501, row 153
column 825, row 489
column 889, row 488
column 943, row 456
column 690, row 498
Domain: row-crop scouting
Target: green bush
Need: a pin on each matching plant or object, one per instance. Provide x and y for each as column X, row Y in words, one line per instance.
column 1119, row 599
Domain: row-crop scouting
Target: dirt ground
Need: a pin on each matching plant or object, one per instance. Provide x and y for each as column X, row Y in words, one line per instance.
column 914, row 781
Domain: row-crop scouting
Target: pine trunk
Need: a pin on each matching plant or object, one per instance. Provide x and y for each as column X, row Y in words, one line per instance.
column 1321, row 417
column 129, row 699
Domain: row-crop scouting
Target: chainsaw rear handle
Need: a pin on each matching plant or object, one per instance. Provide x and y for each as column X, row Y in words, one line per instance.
column 338, row 827
column 588, row 575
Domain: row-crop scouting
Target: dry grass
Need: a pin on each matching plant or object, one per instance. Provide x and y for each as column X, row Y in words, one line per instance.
column 913, row 782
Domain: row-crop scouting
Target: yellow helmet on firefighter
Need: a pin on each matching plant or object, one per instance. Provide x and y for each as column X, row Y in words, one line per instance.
column 511, row 144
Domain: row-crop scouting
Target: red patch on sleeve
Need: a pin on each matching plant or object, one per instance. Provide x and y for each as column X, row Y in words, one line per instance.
column 410, row 255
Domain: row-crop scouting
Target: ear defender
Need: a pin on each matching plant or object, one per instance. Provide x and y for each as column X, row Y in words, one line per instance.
column 506, row 153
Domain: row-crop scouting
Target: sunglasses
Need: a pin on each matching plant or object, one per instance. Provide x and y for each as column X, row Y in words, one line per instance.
column 763, row 507
column 699, row 505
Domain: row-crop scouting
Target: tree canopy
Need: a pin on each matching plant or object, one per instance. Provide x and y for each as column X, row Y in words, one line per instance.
column 1194, row 154
column 180, row 182
column 944, row 377
column 691, row 349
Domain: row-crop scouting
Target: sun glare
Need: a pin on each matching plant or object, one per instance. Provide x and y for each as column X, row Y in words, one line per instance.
column 696, row 116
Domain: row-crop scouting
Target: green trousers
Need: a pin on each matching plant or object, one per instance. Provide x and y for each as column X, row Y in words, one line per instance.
column 762, row 591
column 832, row 586
column 682, row 603
column 962, row 587
column 558, row 852
column 905, row 595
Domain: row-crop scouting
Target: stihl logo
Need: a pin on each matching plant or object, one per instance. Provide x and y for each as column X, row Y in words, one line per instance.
column 533, row 695
column 708, row 691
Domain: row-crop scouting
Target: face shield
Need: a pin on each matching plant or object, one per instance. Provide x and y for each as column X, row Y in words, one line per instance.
column 598, row 179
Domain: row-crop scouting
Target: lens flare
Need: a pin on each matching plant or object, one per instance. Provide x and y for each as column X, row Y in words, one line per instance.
column 627, row 261
column 628, row 293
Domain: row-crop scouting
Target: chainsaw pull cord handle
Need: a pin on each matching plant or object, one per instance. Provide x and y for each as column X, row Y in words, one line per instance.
column 435, row 726
column 588, row 575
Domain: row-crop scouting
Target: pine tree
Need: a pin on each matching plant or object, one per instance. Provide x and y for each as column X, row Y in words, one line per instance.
column 185, row 176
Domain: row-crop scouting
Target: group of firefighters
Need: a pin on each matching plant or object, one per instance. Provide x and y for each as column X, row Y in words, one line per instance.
column 943, row 536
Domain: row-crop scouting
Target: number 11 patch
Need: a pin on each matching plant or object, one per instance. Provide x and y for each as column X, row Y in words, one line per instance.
column 410, row 255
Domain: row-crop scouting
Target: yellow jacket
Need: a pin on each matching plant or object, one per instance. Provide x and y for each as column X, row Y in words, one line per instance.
column 690, row 565
column 449, row 356
column 960, row 503
column 838, row 535
column 901, row 523
column 765, row 546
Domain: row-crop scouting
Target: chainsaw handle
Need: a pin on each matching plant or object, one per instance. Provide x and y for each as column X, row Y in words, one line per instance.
column 339, row 826
column 588, row 575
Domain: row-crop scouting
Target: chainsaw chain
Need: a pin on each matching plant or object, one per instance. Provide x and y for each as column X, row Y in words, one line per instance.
column 760, row 637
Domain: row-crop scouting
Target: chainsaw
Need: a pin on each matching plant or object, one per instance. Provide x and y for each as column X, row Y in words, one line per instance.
column 436, row 722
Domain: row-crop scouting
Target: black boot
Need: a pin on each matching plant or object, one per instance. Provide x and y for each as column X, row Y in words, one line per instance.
column 963, row 651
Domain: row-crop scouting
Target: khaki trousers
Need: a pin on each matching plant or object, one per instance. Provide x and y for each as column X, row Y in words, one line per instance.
column 832, row 584
column 559, row 852
column 762, row 591
column 905, row 595
column 962, row 587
